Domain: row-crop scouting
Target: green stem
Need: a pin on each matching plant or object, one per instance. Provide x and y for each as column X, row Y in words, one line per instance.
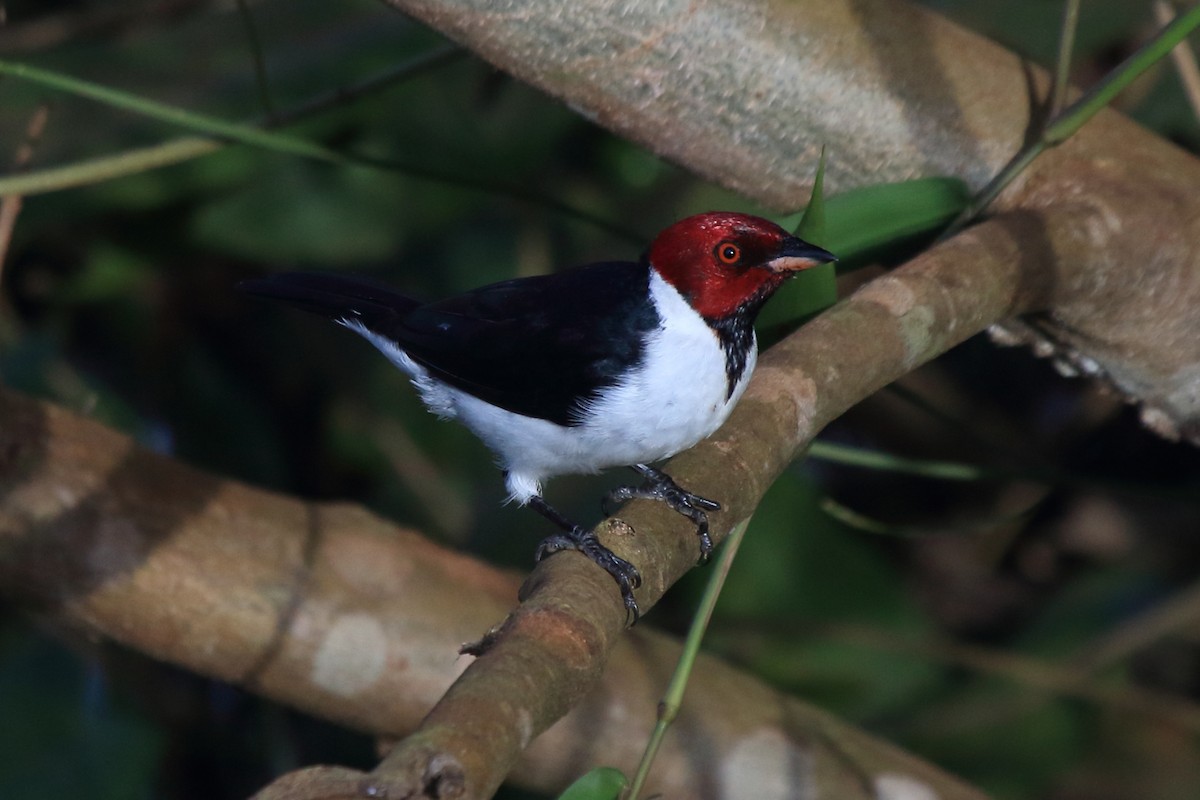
column 1072, row 118
column 1100, row 95
column 1066, row 45
column 995, row 186
column 201, row 123
column 223, row 132
column 176, row 151
column 872, row 525
column 97, row 170
column 668, row 707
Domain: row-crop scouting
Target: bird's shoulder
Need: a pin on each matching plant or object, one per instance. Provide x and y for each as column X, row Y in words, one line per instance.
column 586, row 293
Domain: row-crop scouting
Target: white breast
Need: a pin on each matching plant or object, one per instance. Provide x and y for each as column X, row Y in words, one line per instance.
column 678, row 397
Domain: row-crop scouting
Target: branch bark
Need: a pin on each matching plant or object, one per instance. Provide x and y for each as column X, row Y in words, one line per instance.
column 746, row 92
column 552, row 649
column 331, row 610
column 316, row 605
column 335, row 612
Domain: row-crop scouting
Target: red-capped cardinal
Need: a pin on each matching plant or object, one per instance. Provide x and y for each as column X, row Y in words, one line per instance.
column 610, row 364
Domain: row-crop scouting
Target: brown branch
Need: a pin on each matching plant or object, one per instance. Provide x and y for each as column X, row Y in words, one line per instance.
column 1184, row 58
column 552, row 650
column 10, row 205
column 309, row 604
column 746, row 94
column 333, row 611
column 1105, row 234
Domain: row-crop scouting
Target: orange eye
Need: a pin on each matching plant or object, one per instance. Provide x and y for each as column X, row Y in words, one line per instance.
column 729, row 253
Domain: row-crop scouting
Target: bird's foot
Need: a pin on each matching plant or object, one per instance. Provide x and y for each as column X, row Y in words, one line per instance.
column 576, row 537
column 625, row 574
column 661, row 486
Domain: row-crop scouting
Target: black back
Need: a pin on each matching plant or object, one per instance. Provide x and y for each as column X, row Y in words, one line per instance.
column 541, row 346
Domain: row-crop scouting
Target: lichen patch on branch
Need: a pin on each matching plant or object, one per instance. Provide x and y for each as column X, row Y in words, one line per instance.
column 766, row 764
column 352, row 656
column 894, row 786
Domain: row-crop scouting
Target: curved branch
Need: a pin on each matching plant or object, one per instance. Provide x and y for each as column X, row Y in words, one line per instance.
column 329, row 609
column 551, row 651
column 333, row 611
column 747, row 92
column 307, row 604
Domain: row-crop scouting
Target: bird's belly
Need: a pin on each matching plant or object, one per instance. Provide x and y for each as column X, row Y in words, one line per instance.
column 626, row 432
column 659, row 413
column 679, row 396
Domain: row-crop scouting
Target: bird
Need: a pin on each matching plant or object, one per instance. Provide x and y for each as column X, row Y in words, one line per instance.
column 611, row 364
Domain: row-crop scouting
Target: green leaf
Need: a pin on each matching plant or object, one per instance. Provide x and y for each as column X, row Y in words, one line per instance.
column 887, row 222
column 601, row 783
column 812, row 222
column 875, row 222
column 812, row 290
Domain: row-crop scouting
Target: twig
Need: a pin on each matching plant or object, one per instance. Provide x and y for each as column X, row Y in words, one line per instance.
column 1184, row 58
column 283, row 143
column 10, row 205
column 176, row 151
column 1072, row 118
column 445, row 503
column 174, row 115
column 1071, row 679
column 1178, row 613
column 1066, row 46
column 935, row 469
column 668, row 708
column 95, row 20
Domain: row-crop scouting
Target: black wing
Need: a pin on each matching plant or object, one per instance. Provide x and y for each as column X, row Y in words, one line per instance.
column 539, row 346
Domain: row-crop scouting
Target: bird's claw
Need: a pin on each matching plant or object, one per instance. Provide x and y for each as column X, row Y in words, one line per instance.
column 661, row 486
column 624, row 573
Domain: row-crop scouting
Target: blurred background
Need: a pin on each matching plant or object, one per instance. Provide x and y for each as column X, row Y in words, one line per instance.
column 1035, row 628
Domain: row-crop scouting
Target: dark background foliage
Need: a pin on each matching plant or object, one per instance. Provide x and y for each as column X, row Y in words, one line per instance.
column 968, row 621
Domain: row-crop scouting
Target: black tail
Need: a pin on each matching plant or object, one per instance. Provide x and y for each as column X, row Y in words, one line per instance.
column 335, row 297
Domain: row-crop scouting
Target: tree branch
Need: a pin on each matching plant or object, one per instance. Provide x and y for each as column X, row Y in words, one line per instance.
column 551, row 650
column 331, row 610
column 746, row 93
column 334, row 611
column 318, row 606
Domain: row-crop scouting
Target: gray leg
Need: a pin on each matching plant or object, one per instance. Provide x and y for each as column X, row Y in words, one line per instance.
column 576, row 537
column 660, row 486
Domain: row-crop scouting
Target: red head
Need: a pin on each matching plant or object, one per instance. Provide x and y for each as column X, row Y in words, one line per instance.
column 721, row 260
